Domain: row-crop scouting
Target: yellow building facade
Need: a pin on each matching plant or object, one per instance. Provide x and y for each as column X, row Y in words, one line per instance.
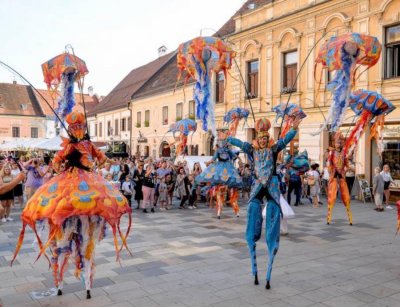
column 275, row 39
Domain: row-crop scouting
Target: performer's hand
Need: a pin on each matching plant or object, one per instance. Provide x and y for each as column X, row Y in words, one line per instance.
column 296, row 123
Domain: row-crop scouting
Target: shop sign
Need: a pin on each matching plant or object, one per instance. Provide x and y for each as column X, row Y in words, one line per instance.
column 391, row 131
column 142, row 140
column 4, row 130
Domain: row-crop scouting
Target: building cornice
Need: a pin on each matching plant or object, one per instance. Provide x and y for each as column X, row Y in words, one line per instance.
column 292, row 17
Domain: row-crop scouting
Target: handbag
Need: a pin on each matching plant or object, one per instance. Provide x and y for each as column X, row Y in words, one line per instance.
column 311, row 180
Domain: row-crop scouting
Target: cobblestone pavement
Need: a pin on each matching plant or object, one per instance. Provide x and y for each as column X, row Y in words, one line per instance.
column 189, row 258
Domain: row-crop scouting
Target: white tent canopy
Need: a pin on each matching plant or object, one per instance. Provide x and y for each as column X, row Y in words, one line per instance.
column 52, row 144
column 20, row 144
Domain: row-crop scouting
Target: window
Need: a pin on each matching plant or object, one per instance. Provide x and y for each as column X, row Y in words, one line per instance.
column 165, row 115
column 392, row 52
column 123, row 124
column 95, row 129
column 220, row 88
column 15, row 132
column 129, row 123
column 34, row 132
column 179, row 111
column 252, row 79
column 101, row 130
column 109, row 129
column 289, row 72
column 192, row 110
column 116, row 127
column 147, row 118
column 138, row 119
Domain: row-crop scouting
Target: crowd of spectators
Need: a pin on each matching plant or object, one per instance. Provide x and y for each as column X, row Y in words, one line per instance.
column 157, row 185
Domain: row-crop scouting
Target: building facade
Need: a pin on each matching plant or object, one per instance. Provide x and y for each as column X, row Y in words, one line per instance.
column 276, row 40
column 26, row 112
column 20, row 113
column 111, row 120
column 159, row 104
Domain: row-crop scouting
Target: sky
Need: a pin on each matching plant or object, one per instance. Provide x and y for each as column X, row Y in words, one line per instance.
column 111, row 36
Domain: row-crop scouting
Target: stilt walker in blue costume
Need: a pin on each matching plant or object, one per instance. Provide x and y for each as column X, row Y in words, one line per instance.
column 222, row 175
column 264, row 152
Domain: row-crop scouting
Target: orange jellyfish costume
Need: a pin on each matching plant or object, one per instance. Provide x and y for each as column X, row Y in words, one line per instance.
column 76, row 204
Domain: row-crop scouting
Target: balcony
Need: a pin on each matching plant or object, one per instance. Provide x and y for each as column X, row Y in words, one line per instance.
column 288, row 90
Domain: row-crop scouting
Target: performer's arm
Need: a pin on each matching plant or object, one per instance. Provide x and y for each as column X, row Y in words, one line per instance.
column 99, row 155
column 282, row 143
column 60, row 157
column 246, row 147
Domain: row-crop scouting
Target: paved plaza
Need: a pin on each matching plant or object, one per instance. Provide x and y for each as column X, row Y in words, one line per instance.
column 189, row 258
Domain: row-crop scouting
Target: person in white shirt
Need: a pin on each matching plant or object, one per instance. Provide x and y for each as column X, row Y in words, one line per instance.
column 106, row 170
column 387, row 178
column 313, row 182
column 127, row 189
column 325, row 179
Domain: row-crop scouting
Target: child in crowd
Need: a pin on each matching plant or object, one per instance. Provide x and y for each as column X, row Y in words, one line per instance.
column 127, row 189
column 115, row 184
column 378, row 186
column 163, row 194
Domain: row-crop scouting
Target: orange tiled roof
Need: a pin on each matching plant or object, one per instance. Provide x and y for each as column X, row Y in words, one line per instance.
column 122, row 93
column 19, row 99
column 90, row 102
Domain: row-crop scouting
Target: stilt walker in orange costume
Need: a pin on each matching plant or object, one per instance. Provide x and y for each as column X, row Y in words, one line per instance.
column 337, row 166
column 78, row 203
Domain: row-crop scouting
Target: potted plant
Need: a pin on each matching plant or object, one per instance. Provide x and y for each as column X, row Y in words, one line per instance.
column 192, row 117
column 178, row 118
column 138, row 125
column 146, row 123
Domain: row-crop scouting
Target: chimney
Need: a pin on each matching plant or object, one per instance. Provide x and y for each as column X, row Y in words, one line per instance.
column 162, row 51
column 90, row 91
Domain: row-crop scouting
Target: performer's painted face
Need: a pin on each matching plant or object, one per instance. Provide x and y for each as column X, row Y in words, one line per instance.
column 222, row 135
column 77, row 130
column 263, row 142
column 339, row 144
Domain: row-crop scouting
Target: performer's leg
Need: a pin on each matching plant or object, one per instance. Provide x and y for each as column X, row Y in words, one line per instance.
column 253, row 232
column 234, row 195
column 332, row 193
column 272, row 225
column 54, row 265
column 88, row 273
column 344, row 192
column 220, row 200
